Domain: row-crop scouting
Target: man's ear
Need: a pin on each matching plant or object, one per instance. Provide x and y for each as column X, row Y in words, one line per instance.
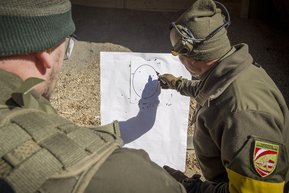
column 44, row 59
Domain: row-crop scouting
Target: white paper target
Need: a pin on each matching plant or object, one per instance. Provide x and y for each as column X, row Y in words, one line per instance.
column 150, row 118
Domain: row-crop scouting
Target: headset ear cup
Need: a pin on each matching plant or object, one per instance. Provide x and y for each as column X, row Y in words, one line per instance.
column 188, row 46
column 183, row 47
column 184, row 50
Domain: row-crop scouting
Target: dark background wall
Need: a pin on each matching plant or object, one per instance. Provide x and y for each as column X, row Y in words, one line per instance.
column 273, row 11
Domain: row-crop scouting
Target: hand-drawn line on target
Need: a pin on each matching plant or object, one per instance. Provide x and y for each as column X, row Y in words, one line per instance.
column 134, row 75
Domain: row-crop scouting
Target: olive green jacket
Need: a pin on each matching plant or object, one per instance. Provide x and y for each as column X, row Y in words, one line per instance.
column 241, row 136
column 44, row 153
column 39, row 149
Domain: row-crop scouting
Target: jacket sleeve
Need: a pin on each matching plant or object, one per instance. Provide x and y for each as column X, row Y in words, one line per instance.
column 253, row 152
column 131, row 170
column 187, row 87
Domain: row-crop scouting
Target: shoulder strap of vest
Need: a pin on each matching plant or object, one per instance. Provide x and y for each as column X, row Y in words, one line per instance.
column 36, row 146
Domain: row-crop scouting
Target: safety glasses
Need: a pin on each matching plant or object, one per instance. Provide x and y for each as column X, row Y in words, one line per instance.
column 69, row 46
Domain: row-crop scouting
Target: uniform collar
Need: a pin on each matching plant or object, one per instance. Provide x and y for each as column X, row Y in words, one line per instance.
column 18, row 93
column 216, row 80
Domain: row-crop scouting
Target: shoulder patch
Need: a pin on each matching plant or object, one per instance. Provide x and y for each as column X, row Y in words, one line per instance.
column 265, row 157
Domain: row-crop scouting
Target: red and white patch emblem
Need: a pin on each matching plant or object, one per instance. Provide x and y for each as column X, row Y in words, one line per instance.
column 265, row 157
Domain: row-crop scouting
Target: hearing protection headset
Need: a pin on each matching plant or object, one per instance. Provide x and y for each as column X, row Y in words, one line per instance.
column 183, row 40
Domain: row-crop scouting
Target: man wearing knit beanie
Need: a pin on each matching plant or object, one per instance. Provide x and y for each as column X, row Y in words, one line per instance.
column 241, row 135
column 39, row 150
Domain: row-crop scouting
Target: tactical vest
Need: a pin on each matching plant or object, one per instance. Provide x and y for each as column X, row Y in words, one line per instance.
column 40, row 150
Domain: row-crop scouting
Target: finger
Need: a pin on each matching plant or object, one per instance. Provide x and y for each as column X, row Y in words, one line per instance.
column 177, row 174
column 164, row 85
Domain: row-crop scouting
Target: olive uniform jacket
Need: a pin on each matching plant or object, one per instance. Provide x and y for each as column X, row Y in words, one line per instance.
column 41, row 152
column 241, row 135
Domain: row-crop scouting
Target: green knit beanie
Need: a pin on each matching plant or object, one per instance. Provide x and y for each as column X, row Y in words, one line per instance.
column 202, row 18
column 28, row 26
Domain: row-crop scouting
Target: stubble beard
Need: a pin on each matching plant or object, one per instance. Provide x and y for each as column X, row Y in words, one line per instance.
column 50, row 83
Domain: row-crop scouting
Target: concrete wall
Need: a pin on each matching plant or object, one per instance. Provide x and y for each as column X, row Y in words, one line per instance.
column 234, row 6
column 159, row 5
column 242, row 8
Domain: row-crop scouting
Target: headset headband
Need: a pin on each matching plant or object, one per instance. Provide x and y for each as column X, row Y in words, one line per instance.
column 183, row 40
